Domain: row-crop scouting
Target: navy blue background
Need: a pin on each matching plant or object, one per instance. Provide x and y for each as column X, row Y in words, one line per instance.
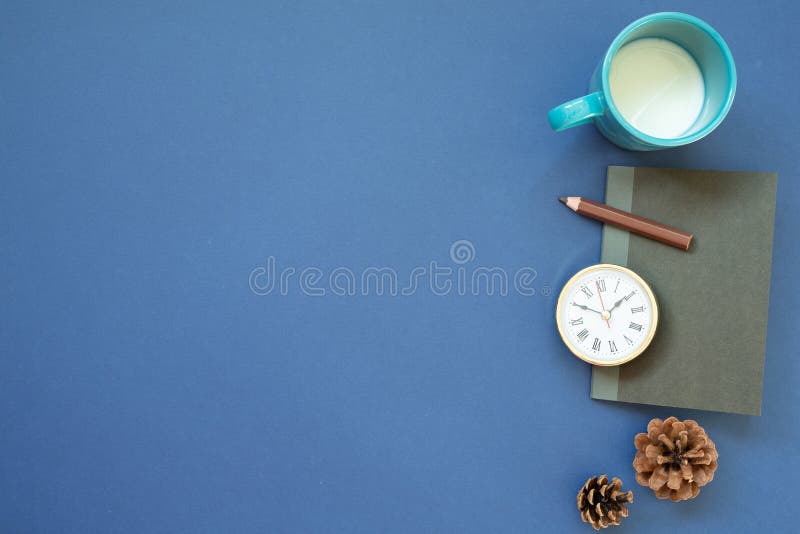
column 154, row 153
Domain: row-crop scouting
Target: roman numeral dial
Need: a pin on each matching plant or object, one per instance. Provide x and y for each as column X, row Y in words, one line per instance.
column 607, row 314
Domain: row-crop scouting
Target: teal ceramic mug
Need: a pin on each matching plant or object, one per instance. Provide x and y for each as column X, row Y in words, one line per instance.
column 667, row 80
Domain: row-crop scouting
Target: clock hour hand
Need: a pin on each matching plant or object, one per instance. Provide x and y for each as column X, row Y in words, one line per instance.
column 581, row 306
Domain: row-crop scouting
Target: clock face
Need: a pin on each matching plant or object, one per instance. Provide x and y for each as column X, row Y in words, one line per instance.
column 606, row 314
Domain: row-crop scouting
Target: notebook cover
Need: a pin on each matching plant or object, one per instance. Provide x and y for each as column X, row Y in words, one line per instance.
column 708, row 351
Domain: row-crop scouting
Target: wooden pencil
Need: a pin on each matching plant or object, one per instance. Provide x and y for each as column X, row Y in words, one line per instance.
column 630, row 222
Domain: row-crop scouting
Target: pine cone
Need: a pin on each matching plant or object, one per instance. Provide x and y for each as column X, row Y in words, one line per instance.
column 602, row 504
column 674, row 458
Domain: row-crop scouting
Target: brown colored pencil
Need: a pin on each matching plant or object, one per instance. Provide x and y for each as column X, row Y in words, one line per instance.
column 630, row 222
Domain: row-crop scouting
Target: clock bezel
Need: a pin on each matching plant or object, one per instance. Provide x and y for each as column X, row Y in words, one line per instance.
column 577, row 350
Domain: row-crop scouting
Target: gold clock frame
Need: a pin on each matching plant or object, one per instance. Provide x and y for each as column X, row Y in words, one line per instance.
column 562, row 297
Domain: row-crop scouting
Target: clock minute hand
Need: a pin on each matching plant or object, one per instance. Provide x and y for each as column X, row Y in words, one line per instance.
column 620, row 301
column 581, row 306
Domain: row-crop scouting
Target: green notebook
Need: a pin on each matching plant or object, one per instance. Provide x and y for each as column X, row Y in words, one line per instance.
column 708, row 351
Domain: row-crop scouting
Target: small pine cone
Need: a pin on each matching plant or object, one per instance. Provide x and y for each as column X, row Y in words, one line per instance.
column 674, row 458
column 601, row 503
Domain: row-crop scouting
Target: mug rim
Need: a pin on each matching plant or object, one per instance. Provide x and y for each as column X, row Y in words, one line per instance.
column 731, row 70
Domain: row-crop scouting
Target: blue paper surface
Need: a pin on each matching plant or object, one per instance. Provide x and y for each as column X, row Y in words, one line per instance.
column 156, row 155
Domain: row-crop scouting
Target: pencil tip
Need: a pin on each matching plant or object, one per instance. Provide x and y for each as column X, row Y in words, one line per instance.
column 563, row 200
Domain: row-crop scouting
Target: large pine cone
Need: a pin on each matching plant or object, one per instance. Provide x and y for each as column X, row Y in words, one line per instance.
column 674, row 458
column 602, row 503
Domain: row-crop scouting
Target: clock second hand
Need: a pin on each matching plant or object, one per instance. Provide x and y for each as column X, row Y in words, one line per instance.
column 602, row 306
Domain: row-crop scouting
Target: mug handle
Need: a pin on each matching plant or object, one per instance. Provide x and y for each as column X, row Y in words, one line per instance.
column 576, row 112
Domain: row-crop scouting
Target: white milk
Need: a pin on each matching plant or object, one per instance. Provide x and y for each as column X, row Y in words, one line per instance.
column 657, row 86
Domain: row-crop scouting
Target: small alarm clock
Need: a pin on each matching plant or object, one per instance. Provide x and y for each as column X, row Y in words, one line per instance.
column 606, row 314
